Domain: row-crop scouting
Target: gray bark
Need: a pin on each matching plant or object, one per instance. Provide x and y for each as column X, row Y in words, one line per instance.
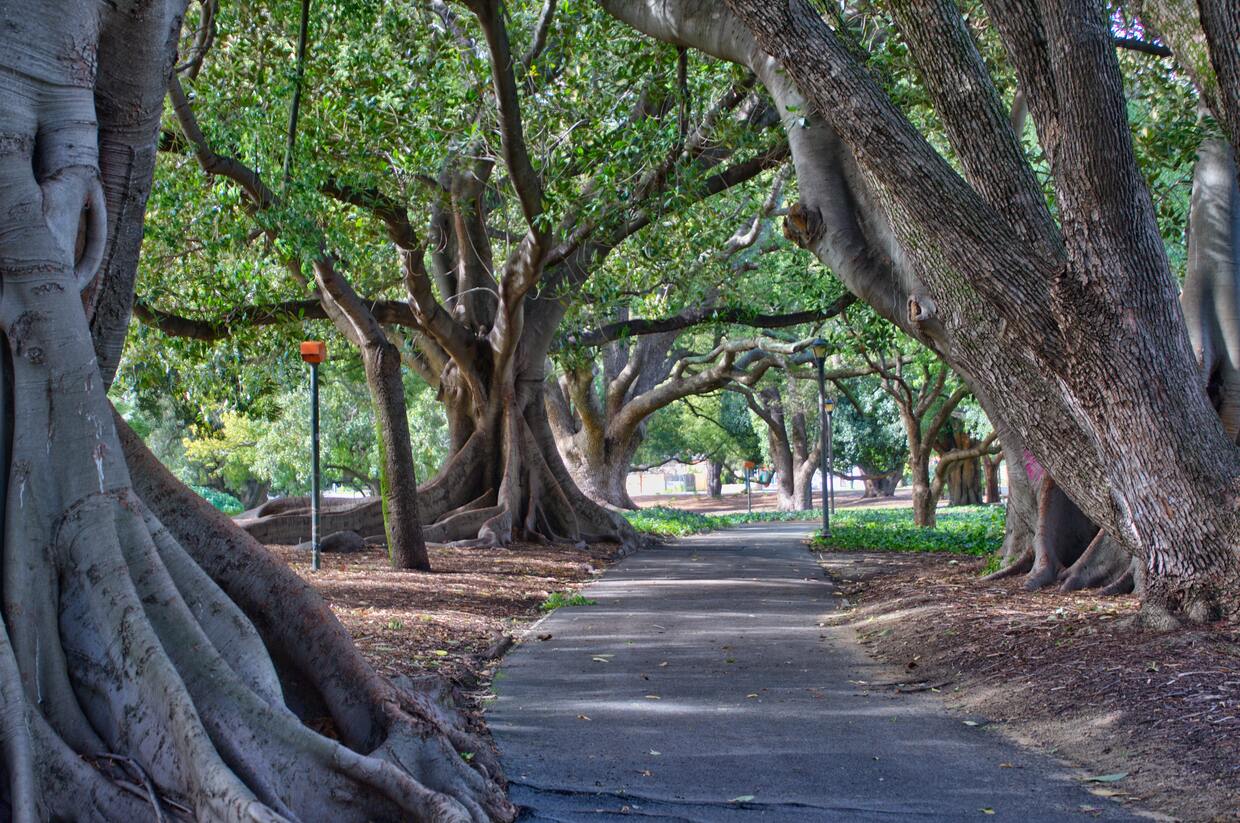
column 1031, row 312
column 134, row 646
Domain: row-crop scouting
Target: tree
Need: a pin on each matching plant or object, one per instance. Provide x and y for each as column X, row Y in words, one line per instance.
column 140, row 626
column 926, row 398
column 650, row 362
column 984, row 259
column 714, row 428
column 508, row 241
column 869, row 435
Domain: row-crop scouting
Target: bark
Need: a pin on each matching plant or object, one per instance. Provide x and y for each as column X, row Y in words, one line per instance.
column 964, row 476
column 796, row 457
column 991, row 465
column 154, row 661
column 1063, row 296
column 398, row 484
column 714, row 478
column 879, row 485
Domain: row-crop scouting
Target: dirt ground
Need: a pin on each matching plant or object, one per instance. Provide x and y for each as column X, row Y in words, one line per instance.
column 447, row 621
column 1157, row 715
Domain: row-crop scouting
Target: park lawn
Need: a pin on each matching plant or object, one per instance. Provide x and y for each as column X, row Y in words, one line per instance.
column 971, row 530
column 665, row 521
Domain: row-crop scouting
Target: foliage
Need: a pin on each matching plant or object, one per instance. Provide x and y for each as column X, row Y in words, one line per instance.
column 557, row 600
column 714, row 427
column 223, row 501
column 976, row 530
column 869, row 434
column 669, row 522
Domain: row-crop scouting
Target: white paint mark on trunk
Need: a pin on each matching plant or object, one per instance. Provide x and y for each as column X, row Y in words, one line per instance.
column 99, row 452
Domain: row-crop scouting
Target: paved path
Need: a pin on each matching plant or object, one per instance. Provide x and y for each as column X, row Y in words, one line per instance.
column 706, row 678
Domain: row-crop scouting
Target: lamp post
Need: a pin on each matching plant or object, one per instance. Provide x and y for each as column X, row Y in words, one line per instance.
column 819, row 348
column 314, row 352
column 748, row 464
column 828, row 406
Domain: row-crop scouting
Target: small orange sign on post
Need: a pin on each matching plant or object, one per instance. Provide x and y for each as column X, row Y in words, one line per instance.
column 314, row 351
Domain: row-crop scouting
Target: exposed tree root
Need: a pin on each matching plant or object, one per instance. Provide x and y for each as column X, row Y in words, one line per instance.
column 136, row 643
column 507, row 481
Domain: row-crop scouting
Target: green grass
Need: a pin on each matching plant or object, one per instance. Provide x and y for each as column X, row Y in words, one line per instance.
column 669, row 522
column 557, row 600
column 975, row 530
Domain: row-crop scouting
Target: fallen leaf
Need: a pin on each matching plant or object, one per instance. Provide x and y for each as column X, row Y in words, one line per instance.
column 646, row 773
column 755, row 694
column 664, row 663
column 656, row 754
column 1106, row 778
column 744, row 798
column 600, row 659
column 546, row 636
column 986, row 810
column 652, row 697
column 583, row 717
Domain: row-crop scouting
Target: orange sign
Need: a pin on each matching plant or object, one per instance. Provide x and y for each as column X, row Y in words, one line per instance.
column 314, row 351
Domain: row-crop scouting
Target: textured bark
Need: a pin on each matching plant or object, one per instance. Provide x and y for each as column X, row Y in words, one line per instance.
column 1077, row 304
column 879, row 485
column 398, row 484
column 714, row 478
column 991, row 465
column 839, row 217
column 153, row 664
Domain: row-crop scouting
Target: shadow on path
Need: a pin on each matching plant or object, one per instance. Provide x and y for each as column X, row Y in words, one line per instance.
column 713, row 694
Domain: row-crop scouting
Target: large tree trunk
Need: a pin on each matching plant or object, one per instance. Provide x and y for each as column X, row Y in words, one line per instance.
column 879, row 485
column 963, row 477
column 925, row 501
column 146, row 641
column 991, row 465
column 1063, row 296
column 714, row 478
column 803, row 485
column 397, row 480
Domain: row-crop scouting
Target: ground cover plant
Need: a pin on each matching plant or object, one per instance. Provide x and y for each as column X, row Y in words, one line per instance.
column 665, row 521
column 975, row 530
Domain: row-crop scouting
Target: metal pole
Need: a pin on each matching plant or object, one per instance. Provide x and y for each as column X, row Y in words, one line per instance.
column 748, row 492
column 315, row 554
column 831, row 459
column 825, row 446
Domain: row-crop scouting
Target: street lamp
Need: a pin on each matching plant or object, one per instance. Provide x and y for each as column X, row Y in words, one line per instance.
column 748, row 464
column 828, row 406
column 314, row 352
column 819, row 348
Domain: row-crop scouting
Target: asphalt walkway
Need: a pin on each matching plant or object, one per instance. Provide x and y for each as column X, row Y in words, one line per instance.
column 702, row 687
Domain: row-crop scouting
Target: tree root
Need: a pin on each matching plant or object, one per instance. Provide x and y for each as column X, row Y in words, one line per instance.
column 316, row 660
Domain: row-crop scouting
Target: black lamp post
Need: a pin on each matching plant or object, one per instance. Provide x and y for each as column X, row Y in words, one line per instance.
column 314, row 352
column 819, row 348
